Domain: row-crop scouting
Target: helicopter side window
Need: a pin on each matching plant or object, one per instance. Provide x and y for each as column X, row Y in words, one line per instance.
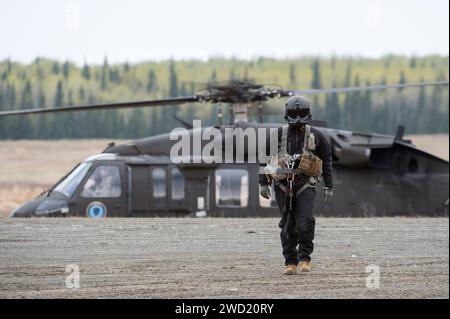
column 177, row 184
column 159, row 183
column 232, row 188
column 103, row 183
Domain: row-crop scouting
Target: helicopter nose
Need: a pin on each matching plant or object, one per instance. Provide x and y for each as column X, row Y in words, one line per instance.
column 21, row 211
column 27, row 209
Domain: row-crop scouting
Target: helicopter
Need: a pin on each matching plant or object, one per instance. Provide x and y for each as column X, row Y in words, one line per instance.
column 374, row 174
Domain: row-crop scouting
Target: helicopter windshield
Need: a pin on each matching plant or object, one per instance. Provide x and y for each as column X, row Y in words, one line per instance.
column 69, row 184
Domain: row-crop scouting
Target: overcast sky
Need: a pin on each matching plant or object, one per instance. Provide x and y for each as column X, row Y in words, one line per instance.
column 138, row 30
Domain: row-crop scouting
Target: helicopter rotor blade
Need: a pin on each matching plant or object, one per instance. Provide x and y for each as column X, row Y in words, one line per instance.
column 364, row 88
column 122, row 105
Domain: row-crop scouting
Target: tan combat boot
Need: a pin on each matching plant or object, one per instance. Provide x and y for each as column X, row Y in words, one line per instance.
column 291, row 269
column 304, row 266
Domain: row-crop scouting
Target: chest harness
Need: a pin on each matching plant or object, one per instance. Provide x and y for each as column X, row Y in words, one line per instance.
column 284, row 166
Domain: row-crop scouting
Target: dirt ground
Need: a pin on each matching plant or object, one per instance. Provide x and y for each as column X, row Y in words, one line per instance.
column 226, row 258
column 29, row 167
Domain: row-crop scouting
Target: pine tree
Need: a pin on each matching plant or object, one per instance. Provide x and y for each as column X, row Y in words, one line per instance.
column 183, row 90
column 333, row 61
column 419, row 114
column 413, row 62
column 136, row 124
column 2, row 99
column 24, row 129
column 2, row 120
column 114, row 75
column 246, row 77
column 43, row 120
column 213, row 77
column 91, row 127
column 333, row 113
column 387, row 62
column 12, row 97
column 40, row 73
column 316, row 84
column 9, row 66
column 59, row 96
column 86, row 72
column 356, row 108
column 173, row 92
column 105, row 75
column 173, row 81
column 191, row 109
column 12, row 122
column 126, row 67
column 69, row 118
column 58, row 119
column 316, row 76
column 436, row 115
column 66, row 70
column 402, row 112
column 232, row 75
column 55, row 68
column 81, row 94
column 379, row 117
column 347, row 116
column 292, row 75
column 366, row 110
column 402, row 80
column 151, row 85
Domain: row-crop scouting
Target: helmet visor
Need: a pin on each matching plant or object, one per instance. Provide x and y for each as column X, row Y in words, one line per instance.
column 298, row 113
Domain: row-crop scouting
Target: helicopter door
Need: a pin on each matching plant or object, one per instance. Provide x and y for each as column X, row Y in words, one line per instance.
column 177, row 196
column 159, row 190
column 138, row 193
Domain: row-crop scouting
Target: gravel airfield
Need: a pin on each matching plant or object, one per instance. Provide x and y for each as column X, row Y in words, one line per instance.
column 221, row 258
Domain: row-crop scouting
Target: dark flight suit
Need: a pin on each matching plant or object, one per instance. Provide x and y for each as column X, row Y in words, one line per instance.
column 297, row 228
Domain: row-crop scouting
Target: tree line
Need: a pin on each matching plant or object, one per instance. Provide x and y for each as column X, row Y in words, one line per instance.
column 48, row 83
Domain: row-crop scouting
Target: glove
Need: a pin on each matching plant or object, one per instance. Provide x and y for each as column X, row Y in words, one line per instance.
column 327, row 194
column 265, row 191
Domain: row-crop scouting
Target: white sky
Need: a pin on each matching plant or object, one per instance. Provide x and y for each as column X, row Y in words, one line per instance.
column 138, row 30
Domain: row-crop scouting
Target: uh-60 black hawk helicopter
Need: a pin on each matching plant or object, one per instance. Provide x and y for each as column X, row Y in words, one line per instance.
column 375, row 175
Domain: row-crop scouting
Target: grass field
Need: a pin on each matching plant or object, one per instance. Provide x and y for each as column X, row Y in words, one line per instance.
column 29, row 167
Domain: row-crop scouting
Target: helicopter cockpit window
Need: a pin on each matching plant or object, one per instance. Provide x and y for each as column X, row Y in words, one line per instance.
column 159, row 183
column 103, row 183
column 177, row 184
column 71, row 182
column 232, row 188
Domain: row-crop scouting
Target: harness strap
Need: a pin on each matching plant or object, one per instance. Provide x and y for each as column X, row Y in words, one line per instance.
column 282, row 150
column 310, row 183
column 303, row 188
column 307, row 136
column 282, row 187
